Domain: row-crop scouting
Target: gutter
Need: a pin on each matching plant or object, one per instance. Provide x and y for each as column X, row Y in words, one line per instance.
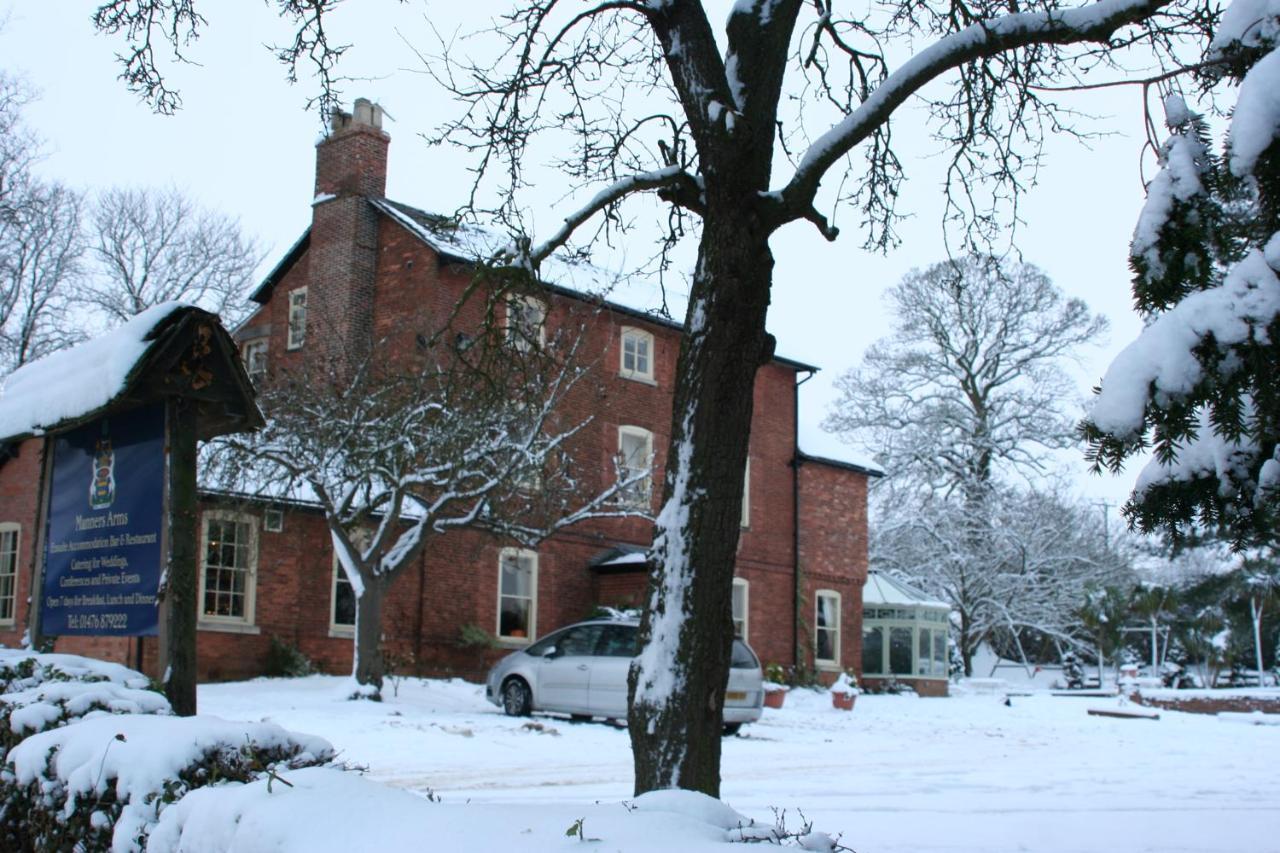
column 797, row 460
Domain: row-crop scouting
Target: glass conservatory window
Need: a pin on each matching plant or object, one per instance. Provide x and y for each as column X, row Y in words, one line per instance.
column 923, row 652
column 873, row 651
column 940, row 653
column 900, row 651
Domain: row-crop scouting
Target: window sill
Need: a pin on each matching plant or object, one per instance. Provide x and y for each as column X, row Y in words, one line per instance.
column 228, row 627
column 342, row 632
column 514, row 642
column 827, row 665
column 635, row 377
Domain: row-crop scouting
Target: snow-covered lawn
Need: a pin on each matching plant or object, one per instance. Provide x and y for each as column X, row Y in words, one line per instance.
column 966, row 773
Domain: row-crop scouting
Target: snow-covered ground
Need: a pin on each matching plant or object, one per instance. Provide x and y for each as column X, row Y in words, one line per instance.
column 899, row 773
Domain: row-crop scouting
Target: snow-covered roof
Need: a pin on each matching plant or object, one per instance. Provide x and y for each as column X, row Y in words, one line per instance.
column 884, row 590
column 79, row 381
column 860, row 467
column 76, row 384
column 568, row 275
column 619, row 555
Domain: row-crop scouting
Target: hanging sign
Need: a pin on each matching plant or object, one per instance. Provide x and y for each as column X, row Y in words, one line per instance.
column 106, row 511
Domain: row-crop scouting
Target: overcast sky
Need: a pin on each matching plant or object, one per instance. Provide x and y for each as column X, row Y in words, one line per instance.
column 244, row 144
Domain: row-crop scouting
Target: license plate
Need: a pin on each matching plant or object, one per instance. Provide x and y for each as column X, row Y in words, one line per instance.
column 735, row 696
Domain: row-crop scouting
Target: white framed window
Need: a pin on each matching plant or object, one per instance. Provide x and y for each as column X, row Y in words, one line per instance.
column 10, row 535
column 741, row 607
column 273, row 520
column 254, row 354
column 635, row 456
column 342, row 596
column 746, row 495
column 526, row 322
column 228, row 567
column 517, row 594
column 826, row 628
column 297, row 318
column 636, row 354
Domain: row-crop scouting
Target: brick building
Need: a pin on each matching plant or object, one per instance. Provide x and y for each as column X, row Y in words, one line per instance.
column 372, row 269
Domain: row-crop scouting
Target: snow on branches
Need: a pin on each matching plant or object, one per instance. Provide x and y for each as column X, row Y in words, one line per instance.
column 1199, row 384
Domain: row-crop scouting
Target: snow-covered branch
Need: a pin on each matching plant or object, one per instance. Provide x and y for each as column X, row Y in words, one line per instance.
column 1096, row 22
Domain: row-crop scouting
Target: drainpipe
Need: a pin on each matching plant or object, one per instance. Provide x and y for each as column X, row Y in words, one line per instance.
column 797, row 591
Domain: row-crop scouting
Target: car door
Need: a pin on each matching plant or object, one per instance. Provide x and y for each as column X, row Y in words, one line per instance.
column 609, row 671
column 565, row 675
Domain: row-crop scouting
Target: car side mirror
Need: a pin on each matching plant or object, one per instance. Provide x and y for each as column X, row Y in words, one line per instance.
column 551, row 653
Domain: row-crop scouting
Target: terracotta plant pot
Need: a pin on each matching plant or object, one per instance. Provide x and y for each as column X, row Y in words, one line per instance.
column 843, row 701
column 774, row 698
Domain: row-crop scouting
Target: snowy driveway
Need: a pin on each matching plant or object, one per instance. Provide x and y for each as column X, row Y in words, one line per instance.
column 898, row 774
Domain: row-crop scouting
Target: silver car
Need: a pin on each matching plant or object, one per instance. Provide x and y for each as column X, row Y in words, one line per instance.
column 581, row 670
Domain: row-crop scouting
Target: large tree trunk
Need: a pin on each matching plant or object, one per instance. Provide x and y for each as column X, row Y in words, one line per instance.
column 368, row 666
column 677, row 682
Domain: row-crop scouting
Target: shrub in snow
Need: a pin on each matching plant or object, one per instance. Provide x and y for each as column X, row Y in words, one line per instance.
column 39, row 692
column 20, row 670
column 101, row 783
column 285, row 660
column 56, row 703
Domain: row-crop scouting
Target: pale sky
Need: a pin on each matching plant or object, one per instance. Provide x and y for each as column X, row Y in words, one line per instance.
column 244, row 145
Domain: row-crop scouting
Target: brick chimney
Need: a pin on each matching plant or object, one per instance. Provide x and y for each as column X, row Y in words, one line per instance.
column 351, row 168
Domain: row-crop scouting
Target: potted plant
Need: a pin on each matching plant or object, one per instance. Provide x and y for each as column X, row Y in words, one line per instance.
column 845, row 691
column 775, row 688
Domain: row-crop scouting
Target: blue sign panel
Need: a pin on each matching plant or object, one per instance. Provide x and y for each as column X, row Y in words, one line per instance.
column 106, row 509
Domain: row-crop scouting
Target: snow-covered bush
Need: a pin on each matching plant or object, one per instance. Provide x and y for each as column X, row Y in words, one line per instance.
column 101, row 783
column 20, row 670
column 39, row 692
column 846, row 684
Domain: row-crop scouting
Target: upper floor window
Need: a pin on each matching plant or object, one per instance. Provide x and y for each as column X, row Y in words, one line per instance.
column 635, row 457
column 342, row 608
column 297, row 318
column 254, row 354
column 826, row 629
column 741, row 599
column 9, row 534
column 636, row 354
column 517, row 593
column 526, row 322
column 229, row 567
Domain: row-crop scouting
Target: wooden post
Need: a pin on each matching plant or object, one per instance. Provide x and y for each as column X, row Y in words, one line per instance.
column 35, row 631
column 178, row 616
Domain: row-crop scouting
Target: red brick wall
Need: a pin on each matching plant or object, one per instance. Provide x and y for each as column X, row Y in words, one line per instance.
column 833, row 551
column 370, row 279
column 19, row 489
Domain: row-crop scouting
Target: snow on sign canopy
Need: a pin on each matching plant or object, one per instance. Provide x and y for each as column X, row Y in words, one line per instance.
column 79, row 381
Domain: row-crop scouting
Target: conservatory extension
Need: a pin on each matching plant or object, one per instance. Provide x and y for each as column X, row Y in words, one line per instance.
column 904, row 636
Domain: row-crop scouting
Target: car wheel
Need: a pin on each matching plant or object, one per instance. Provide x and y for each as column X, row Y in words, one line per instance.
column 731, row 729
column 516, row 699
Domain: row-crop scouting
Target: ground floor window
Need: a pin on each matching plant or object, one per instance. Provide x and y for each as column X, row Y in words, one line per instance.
column 826, row 639
column 230, row 559
column 904, row 650
column 873, row 651
column 517, row 589
column 9, row 533
column 741, row 597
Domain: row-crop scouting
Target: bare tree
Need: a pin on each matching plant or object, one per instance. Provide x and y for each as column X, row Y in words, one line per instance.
column 18, row 145
column 969, row 387
column 40, row 243
column 152, row 246
column 41, row 247
column 970, row 384
column 466, row 433
column 651, row 101
column 1020, row 561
